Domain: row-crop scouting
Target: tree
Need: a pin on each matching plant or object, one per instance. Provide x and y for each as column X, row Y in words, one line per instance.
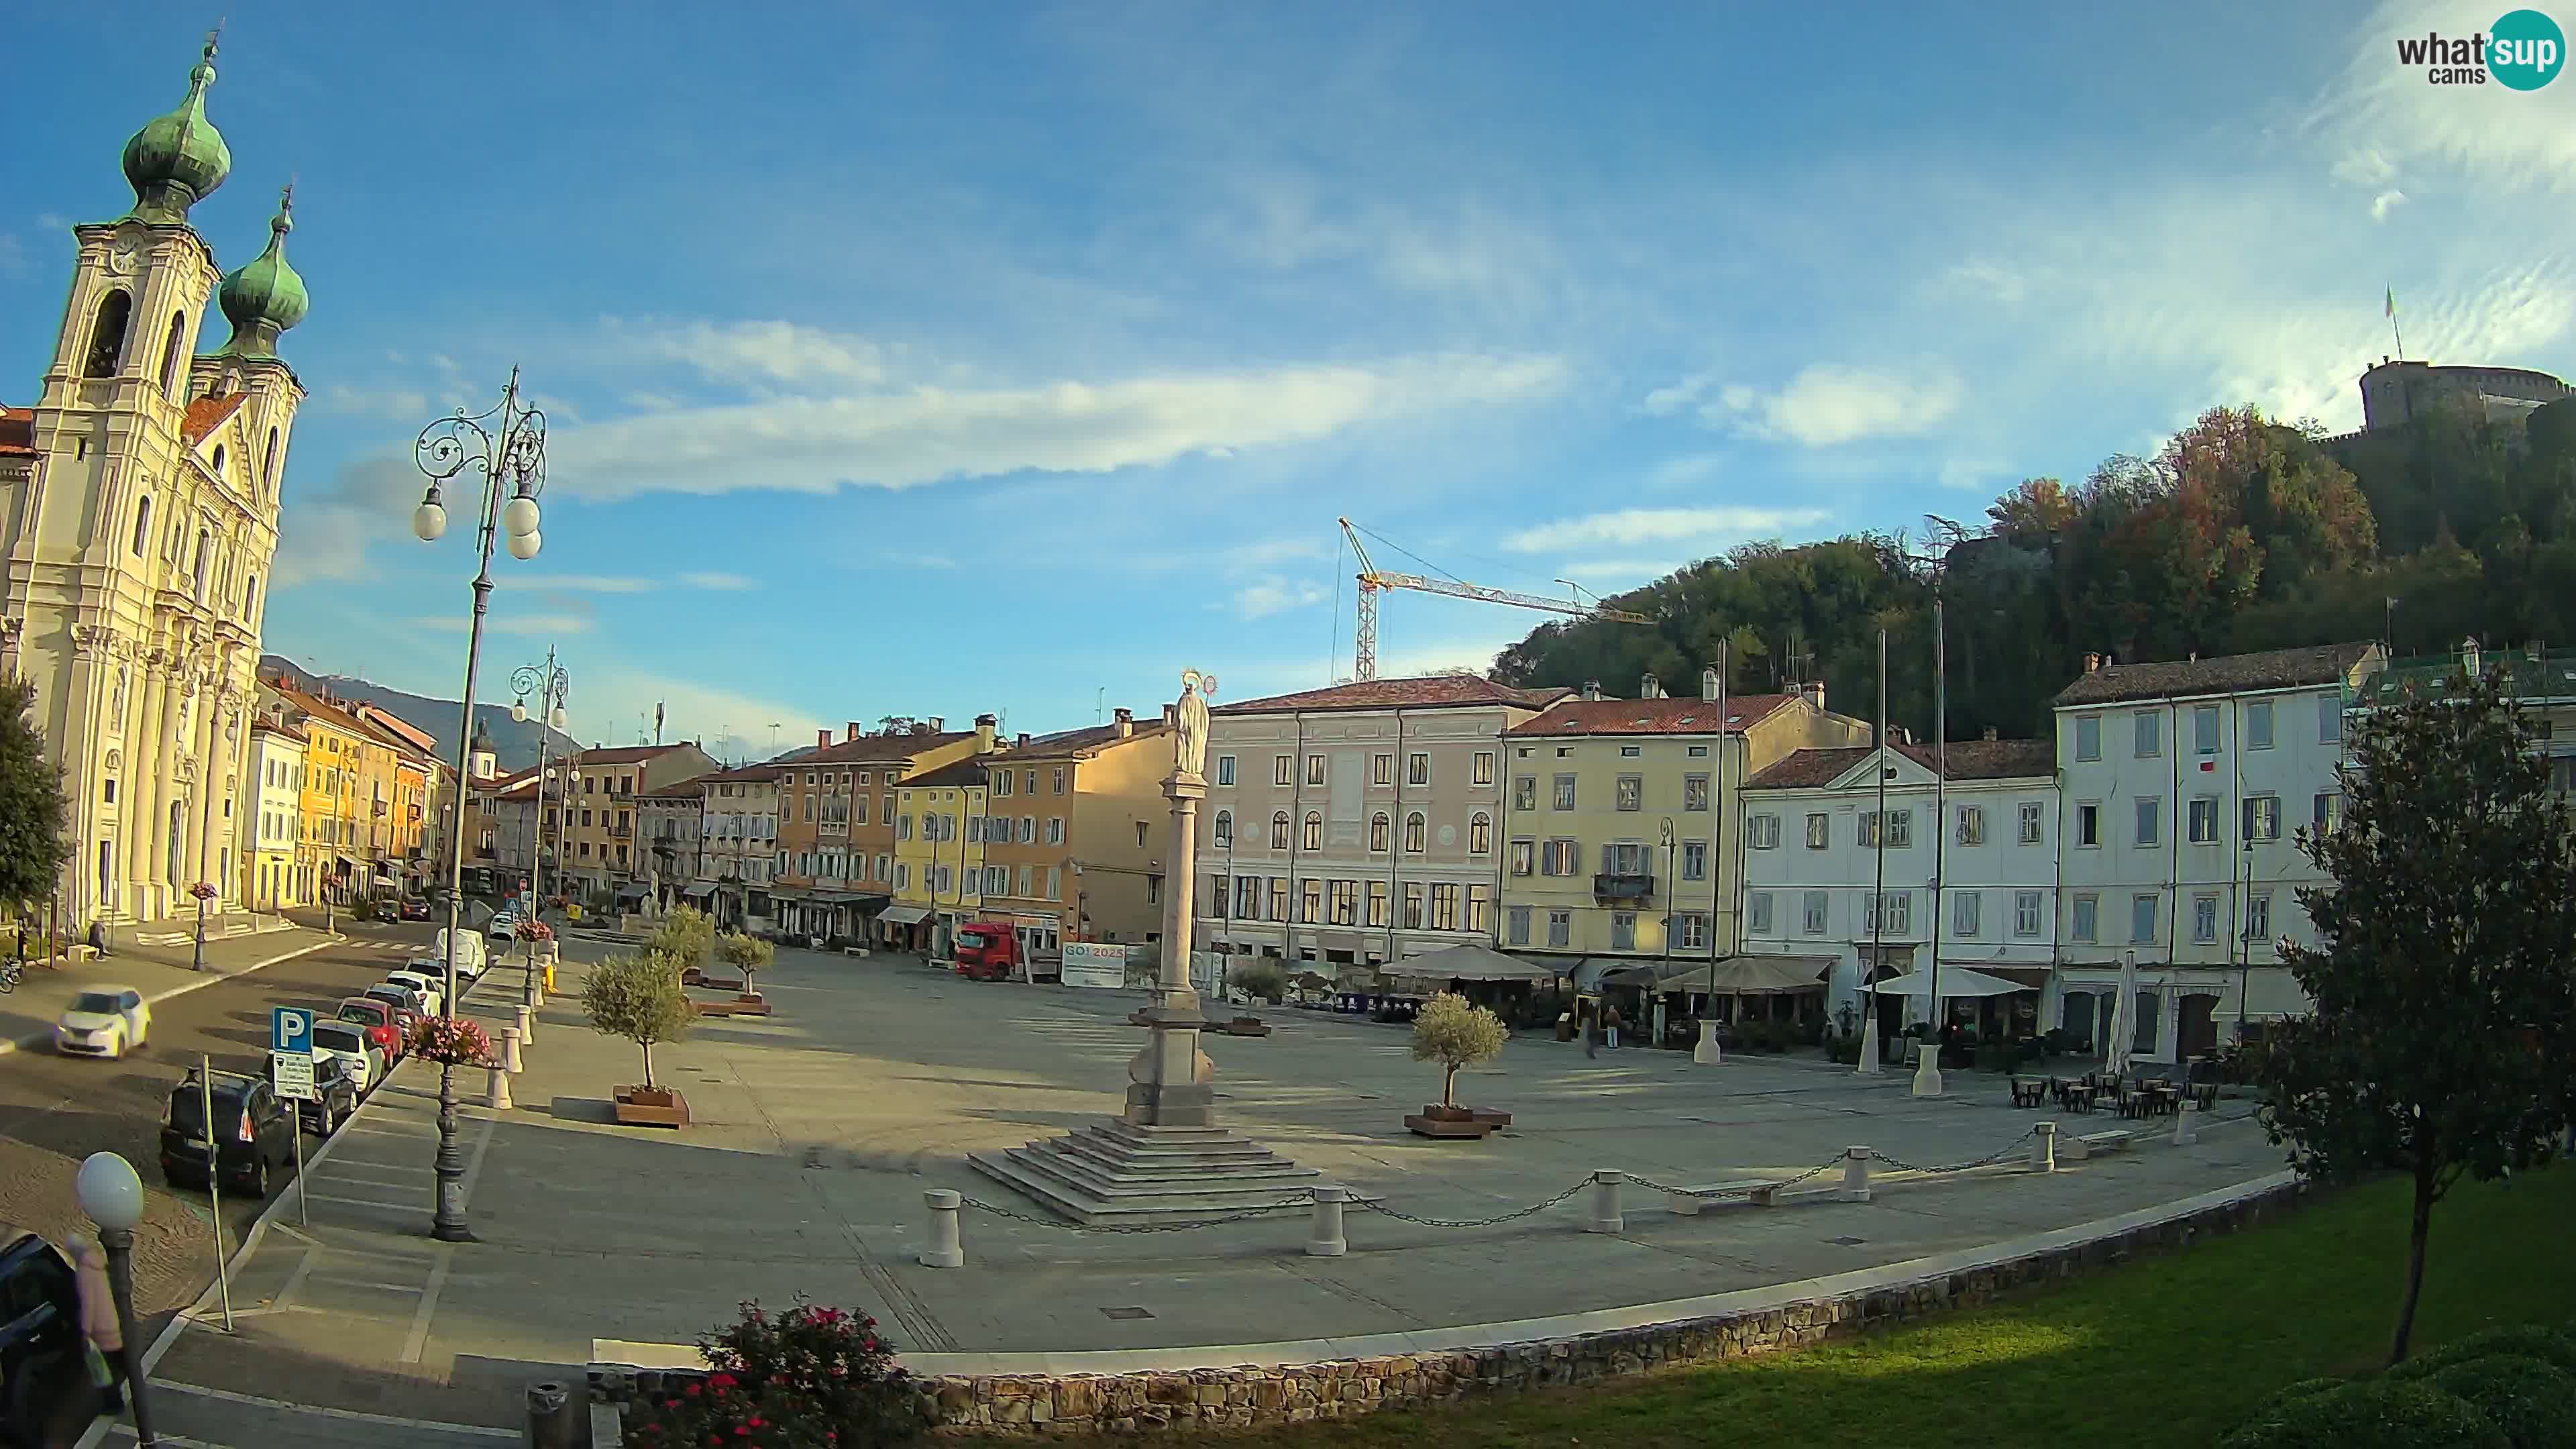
column 684, row 936
column 32, row 847
column 1455, row 1034
column 638, row 997
column 745, row 954
column 2443, row 1041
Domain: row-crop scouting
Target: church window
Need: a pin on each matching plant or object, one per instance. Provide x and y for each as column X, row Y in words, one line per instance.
column 250, row 598
column 171, row 352
column 219, row 460
column 142, row 524
column 205, row 547
column 107, row 334
column 268, row 465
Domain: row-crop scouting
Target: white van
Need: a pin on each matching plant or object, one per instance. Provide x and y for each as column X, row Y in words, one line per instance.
column 469, row 953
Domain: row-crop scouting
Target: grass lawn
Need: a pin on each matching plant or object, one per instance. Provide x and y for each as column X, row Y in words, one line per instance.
column 2171, row 1351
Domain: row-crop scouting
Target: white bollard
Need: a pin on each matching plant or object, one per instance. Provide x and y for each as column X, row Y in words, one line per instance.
column 947, row 1249
column 497, row 1096
column 527, row 1023
column 1868, row 1066
column 1855, row 1174
column 2186, row 1125
column 1706, row 1053
column 510, row 1044
column 1324, row 1231
column 1605, row 1202
column 1927, row 1068
column 2043, row 1147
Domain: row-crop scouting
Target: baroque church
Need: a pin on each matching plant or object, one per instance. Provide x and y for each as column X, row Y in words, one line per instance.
column 140, row 501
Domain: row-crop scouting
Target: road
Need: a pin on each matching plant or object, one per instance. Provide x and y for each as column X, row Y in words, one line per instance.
column 56, row 1110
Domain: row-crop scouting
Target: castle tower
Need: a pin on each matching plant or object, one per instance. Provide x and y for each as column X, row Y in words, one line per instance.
column 138, row 520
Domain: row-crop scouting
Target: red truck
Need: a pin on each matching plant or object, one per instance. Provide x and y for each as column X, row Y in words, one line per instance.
column 988, row 951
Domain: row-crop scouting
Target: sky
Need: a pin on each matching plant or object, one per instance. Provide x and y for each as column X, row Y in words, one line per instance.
column 913, row 360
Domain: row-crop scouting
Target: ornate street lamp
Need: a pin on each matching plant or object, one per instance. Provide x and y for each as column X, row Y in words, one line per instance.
column 112, row 1196
column 508, row 445
column 549, row 683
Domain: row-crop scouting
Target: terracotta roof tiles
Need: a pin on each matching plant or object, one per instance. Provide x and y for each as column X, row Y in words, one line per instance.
column 2224, row 674
column 207, row 414
column 968, row 771
column 1649, row 716
column 1437, row 691
column 17, row 433
column 1969, row 760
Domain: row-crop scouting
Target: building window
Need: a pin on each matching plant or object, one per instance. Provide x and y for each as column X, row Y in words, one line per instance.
column 1381, row 769
column 1055, row 830
column 1413, row 905
column 1279, row 831
column 1897, row 909
column 142, row 523
column 107, row 334
column 1311, row 899
column 1560, row 857
column 1694, row 860
column 1525, row 792
column 2204, row 730
column 1757, row 910
column 1377, row 903
column 1417, row 769
column 1279, row 898
column 1564, row 792
column 2088, row 737
column 1623, row 930
column 1560, row 928
column 1967, row 910
column 2204, row 820
column 1820, row 830
column 2087, row 924
column 1377, row 832
column 1899, row 832
column 2151, row 734
column 2151, row 821
column 1001, row 783
column 1523, row 854
column 2258, row 917
column 2258, row 725
column 1314, row 769
column 1282, row 770
column 1632, row 792
column 2204, row 919
column 1480, row 833
column 1814, row 910
column 1694, row 792
column 1225, row 769
column 2088, row 824
column 1762, row 832
column 1628, row 858
column 2262, row 817
column 1630, row 752
column 1058, row 782
column 1517, row 922
column 1314, row 832
column 1224, row 829
column 2026, row 908
column 1346, row 903
column 1444, row 906
column 2142, row 919
column 1415, row 833
column 1029, row 829
column 2329, row 812
column 1484, row 769
column 1972, row 825
column 2329, row 719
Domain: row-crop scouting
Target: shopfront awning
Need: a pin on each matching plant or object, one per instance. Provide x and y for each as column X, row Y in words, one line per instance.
column 1468, row 962
column 633, row 892
column 1752, row 975
column 860, row 899
column 1957, row 983
column 905, row 915
column 699, row 892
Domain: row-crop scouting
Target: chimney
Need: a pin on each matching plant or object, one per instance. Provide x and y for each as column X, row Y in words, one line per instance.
column 1650, row 688
column 1592, row 690
column 2092, row 663
column 1990, row 732
column 938, row 724
column 1708, row 685
column 822, row 739
column 852, row 727
column 1022, row 742
column 985, row 724
column 1126, row 722
column 1814, row 692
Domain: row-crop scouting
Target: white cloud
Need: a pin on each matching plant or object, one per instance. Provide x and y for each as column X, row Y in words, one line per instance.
column 1275, row 595
column 1680, row 396
column 52, row 221
column 1276, row 551
column 614, row 703
column 399, row 404
column 900, row 440
column 2368, row 166
column 718, row 581
column 771, row 352
column 541, row 624
column 1827, row 404
column 1628, row 527
column 2379, row 117
column 1684, row 471
column 1989, row 282
column 13, row 257
column 1969, row 475
column 2386, row 202
column 588, row 583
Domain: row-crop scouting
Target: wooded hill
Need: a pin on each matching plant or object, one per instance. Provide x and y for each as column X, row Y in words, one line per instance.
column 2239, row 534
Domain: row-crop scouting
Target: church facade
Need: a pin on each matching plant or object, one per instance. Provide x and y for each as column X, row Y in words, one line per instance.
column 139, row 497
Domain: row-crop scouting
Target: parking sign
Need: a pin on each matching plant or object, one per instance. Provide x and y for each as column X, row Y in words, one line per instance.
column 290, row 1029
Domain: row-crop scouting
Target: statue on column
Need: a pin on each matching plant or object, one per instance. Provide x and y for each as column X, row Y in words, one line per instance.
column 1190, row 734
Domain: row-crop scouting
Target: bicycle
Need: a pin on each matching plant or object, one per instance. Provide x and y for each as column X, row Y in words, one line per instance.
column 10, row 973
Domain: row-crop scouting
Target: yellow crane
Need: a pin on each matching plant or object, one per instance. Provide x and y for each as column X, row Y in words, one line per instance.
column 1374, row 579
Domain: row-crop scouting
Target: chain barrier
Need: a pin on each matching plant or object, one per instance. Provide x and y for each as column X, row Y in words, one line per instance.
column 1998, row 1155
column 1374, row 1206
column 1301, row 1204
column 1738, row 1190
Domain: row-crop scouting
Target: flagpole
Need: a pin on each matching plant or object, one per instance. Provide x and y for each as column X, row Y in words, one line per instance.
column 2393, row 327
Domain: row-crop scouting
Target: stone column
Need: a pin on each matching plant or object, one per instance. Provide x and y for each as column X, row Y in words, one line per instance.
column 145, row 744
column 80, row 752
column 1169, row 1082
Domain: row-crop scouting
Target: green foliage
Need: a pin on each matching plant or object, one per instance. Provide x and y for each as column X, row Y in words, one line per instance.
column 638, row 997
column 32, row 844
column 745, row 954
column 2444, row 1036
column 1455, row 1034
column 808, row 1376
column 685, row 936
column 2373, row 1414
column 1266, row 980
column 2513, row 1340
column 2533, row 1402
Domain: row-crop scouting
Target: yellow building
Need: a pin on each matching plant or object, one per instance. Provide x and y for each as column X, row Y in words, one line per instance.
column 939, row 826
column 835, row 841
column 1621, row 816
column 331, row 854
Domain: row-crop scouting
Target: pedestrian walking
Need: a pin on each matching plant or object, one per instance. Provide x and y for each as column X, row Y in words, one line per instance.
column 103, row 1337
column 1610, row 1027
column 1591, row 1035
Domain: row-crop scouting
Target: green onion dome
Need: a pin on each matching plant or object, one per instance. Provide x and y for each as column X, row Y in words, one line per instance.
column 176, row 161
column 266, row 297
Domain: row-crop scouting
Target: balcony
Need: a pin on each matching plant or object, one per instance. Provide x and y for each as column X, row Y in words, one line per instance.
column 1622, row 887
column 621, row 832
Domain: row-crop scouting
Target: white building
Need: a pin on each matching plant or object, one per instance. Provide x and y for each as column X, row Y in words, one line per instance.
column 275, row 827
column 738, row 846
column 1977, row 891
column 669, row 823
column 139, row 507
column 2184, row 783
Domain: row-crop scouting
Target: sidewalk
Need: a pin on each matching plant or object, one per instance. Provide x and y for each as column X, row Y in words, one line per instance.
column 159, row 972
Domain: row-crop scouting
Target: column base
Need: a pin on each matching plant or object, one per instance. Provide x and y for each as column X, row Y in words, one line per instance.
column 1151, row 1104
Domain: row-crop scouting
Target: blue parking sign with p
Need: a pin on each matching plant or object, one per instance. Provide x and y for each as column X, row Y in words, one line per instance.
column 290, row 1029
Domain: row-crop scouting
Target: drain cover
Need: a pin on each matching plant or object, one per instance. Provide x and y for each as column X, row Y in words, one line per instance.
column 1846, row 1242
column 1126, row 1313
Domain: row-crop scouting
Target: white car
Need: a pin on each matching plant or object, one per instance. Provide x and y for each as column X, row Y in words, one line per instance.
column 427, row 986
column 345, row 1041
column 103, row 1021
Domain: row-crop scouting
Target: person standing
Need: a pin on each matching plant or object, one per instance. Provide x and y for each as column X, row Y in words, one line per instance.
column 1610, row 1027
column 104, row 1335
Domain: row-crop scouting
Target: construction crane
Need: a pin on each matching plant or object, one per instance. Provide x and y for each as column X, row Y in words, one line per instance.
column 1374, row 579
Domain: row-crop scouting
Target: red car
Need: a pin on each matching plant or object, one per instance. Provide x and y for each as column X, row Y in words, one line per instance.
column 383, row 1022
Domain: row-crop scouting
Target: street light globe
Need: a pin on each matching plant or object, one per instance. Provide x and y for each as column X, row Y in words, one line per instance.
column 525, row 545
column 519, row 516
column 557, row 718
column 429, row 522
column 109, row 1192
column 518, row 711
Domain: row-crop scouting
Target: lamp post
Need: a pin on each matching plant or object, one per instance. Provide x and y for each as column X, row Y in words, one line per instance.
column 112, row 1196
column 508, row 444
column 1672, row 882
column 548, row 683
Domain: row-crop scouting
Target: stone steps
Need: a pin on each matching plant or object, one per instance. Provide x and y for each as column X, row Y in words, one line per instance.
column 1111, row 1179
column 1116, row 1173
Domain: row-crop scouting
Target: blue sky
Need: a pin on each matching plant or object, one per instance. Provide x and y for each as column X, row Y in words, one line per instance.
column 933, row 360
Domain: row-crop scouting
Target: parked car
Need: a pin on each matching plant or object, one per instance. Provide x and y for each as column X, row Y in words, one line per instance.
column 425, row 985
column 469, row 953
column 409, row 1009
column 335, row 1093
column 104, row 1021
column 413, row 908
column 46, row 1396
column 254, row 1134
column 347, row 1041
column 382, row 1023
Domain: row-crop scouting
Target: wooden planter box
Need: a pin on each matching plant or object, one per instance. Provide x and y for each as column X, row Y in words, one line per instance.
column 656, row 1107
column 751, row 1003
column 718, row 983
column 1490, row 1117
column 1246, row 1026
column 713, row 1008
column 1463, row 1125
column 692, row 976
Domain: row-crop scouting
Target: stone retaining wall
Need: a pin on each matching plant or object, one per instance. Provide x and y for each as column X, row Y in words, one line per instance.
column 1251, row 1396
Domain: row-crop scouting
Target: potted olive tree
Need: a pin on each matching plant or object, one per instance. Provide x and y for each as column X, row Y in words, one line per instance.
column 684, row 938
column 639, row 997
column 746, row 955
column 1455, row 1034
